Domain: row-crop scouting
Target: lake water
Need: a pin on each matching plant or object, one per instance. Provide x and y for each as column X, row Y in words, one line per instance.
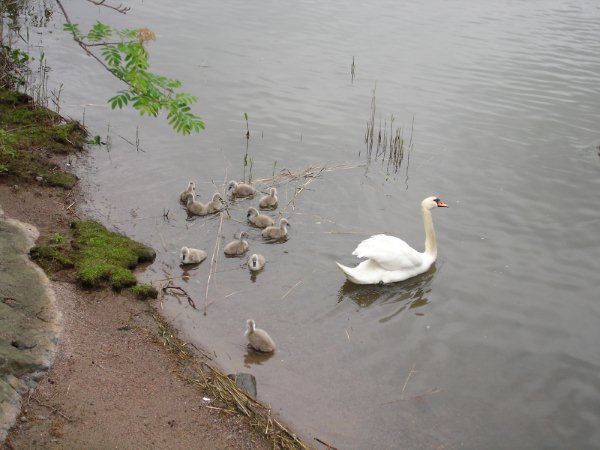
column 496, row 347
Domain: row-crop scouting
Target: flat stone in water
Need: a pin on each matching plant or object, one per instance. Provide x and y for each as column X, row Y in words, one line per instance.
column 245, row 381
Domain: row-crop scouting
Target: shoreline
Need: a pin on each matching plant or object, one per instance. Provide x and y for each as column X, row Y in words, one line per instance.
column 121, row 377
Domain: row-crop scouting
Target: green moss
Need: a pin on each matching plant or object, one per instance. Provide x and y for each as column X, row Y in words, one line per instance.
column 144, row 291
column 53, row 254
column 60, row 179
column 99, row 256
column 107, row 256
column 29, row 134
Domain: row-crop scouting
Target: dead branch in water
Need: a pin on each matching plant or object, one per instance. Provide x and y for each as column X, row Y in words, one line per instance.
column 329, row 446
column 182, row 291
column 287, row 175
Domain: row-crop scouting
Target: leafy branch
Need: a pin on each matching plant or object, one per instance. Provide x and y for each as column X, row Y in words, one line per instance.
column 126, row 57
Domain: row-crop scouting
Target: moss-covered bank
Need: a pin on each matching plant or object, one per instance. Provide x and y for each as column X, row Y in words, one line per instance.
column 97, row 255
column 30, row 137
column 31, row 140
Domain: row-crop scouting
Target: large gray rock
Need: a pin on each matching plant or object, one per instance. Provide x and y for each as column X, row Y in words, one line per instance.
column 28, row 319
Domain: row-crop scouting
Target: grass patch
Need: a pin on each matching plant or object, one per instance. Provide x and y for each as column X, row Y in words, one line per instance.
column 144, row 291
column 98, row 256
column 107, row 256
column 52, row 254
column 30, row 135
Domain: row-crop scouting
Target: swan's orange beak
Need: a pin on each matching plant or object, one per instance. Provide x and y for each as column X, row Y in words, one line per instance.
column 441, row 204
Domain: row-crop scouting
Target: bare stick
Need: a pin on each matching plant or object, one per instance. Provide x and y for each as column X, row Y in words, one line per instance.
column 57, row 411
column 412, row 370
column 291, row 289
column 329, row 447
column 213, row 261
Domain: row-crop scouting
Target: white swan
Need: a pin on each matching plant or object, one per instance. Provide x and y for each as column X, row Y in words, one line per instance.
column 391, row 259
column 259, row 339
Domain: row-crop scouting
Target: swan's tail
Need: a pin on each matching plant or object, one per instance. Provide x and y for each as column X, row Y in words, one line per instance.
column 347, row 272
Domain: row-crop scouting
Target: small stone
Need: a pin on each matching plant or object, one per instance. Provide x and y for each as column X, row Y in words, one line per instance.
column 245, row 381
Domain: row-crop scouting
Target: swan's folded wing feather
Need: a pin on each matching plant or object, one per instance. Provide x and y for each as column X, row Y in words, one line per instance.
column 389, row 252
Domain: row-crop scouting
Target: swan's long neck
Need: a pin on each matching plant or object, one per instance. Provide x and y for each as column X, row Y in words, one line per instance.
column 430, row 240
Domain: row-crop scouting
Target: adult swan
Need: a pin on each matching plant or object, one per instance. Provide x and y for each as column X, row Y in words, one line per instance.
column 391, row 259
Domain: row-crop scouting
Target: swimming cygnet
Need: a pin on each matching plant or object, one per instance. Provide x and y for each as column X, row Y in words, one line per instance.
column 269, row 201
column 191, row 189
column 259, row 220
column 256, row 262
column 276, row 232
column 192, row 255
column 259, row 339
column 241, row 189
column 215, row 205
column 238, row 246
column 195, row 207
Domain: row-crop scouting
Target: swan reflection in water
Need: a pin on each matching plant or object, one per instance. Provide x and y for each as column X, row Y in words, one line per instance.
column 254, row 357
column 412, row 291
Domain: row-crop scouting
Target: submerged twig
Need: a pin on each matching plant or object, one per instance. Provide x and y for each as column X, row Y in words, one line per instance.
column 183, row 291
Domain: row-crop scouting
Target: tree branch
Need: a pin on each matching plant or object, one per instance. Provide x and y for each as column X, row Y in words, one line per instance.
column 122, row 9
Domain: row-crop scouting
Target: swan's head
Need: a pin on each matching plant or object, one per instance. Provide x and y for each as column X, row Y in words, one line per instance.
column 184, row 252
column 273, row 192
column 250, row 324
column 283, row 223
column 252, row 212
column 243, row 235
column 216, row 197
column 254, row 260
column 191, row 185
column 433, row 202
column 232, row 184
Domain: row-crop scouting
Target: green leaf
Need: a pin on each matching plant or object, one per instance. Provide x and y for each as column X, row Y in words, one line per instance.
column 99, row 32
column 72, row 28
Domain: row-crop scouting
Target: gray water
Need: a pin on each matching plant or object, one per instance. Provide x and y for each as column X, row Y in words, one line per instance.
column 496, row 346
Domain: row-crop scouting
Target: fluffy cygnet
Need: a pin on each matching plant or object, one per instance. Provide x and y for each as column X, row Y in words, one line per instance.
column 195, row 207
column 238, row 246
column 256, row 262
column 241, row 189
column 215, row 205
column 192, row 255
column 259, row 339
column 259, row 220
column 269, row 201
column 276, row 232
column 191, row 189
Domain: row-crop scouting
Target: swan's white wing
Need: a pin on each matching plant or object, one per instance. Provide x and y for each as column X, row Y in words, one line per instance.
column 389, row 252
